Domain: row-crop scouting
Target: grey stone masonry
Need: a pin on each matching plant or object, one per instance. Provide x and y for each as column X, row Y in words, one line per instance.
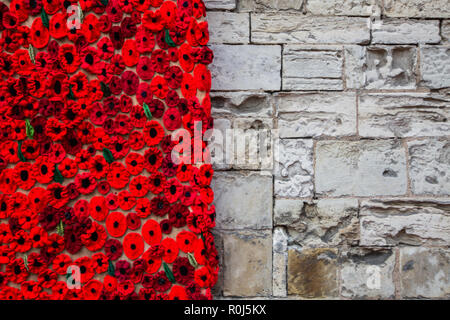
column 352, row 198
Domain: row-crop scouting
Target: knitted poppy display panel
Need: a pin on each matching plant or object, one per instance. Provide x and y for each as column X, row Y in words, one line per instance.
column 93, row 204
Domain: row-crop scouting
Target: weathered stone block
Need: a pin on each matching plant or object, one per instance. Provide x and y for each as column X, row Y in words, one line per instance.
column 429, row 162
column 445, row 31
column 297, row 28
column 305, row 69
column 246, row 67
column 355, row 66
column 425, row 272
column 220, row 4
column 280, row 241
column 312, row 273
column 287, row 212
column 244, row 200
column 324, row 223
column 403, row 115
column 316, row 114
column 248, row 261
column 360, row 168
column 294, row 168
column 269, row 5
column 242, row 104
column 343, row 7
column 411, row 222
column 367, row 273
column 253, row 144
column 391, row 67
column 405, row 31
column 417, row 8
column 435, row 66
column 380, row 67
column 228, row 27
column 220, row 150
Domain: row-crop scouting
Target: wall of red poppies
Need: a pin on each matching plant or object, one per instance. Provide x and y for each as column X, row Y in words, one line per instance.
column 92, row 205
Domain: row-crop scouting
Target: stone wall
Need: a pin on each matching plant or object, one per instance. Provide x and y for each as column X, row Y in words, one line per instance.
column 358, row 203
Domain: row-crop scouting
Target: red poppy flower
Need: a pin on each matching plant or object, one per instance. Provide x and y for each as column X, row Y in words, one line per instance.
column 126, row 200
column 39, row 34
column 95, row 237
column 118, row 176
column 130, row 53
column 153, row 262
column 186, row 240
column 116, row 224
column 171, row 250
column 58, row 26
column 152, row 20
column 185, row 57
column 143, row 207
column 153, row 133
column 145, row 41
column 144, row 68
column 188, row 86
column 172, row 119
column 133, row 245
column 92, row 290
column 159, row 87
column 151, row 232
column 98, row 208
column 90, row 28
column 113, row 249
column 139, row 186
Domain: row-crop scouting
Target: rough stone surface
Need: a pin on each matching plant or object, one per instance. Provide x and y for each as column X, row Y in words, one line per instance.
column 244, row 104
column 403, row 115
column 406, row 32
column 399, row 221
column 434, row 63
column 316, row 114
column 297, row 28
column 367, row 273
column 269, row 5
column 253, row 144
column 280, row 242
column 360, row 168
column 251, row 196
column 381, row 67
column 221, row 150
column 355, row 66
column 425, row 272
column 246, row 67
column 248, row 261
column 391, row 67
column 220, row 4
column 228, row 27
column 312, row 273
column 312, row 70
column 343, row 7
column 417, row 8
column 321, row 223
column 294, row 168
column 430, row 166
column 445, row 31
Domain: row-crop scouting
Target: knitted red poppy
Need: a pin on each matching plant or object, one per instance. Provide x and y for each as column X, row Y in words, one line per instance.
column 89, row 99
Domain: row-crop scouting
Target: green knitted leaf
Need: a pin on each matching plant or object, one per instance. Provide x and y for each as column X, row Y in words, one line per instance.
column 168, row 272
column 111, row 269
column 108, row 155
column 60, row 228
column 147, row 112
column 29, row 128
column 19, row 152
column 192, row 260
column 71, row 95
column 57, row 176
column 31, row 53
column 25, row 260
column 44, row 18
column 104, row 2
column 169, row 40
